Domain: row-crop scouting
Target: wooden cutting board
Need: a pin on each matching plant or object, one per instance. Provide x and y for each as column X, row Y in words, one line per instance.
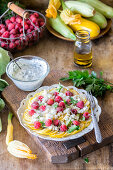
column 56, row 151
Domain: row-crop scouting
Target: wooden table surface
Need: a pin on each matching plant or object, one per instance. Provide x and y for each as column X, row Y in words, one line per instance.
column 59, row 55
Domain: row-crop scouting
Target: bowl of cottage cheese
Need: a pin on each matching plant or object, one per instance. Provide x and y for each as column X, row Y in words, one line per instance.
column 28, row 72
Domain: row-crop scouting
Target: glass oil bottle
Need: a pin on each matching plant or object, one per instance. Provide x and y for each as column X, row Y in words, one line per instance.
column 83, row 49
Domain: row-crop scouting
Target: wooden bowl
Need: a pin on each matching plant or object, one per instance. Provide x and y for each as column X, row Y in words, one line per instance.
column 55, row 33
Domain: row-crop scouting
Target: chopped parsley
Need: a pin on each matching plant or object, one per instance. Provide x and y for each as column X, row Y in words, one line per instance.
column 73, row 101
column 60, row 87
column 86, row 160
column 55, row 106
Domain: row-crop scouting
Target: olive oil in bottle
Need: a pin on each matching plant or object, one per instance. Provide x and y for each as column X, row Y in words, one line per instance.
column 83, row 49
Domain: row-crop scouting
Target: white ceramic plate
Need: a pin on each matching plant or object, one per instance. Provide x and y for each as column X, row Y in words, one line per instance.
column 24, row 103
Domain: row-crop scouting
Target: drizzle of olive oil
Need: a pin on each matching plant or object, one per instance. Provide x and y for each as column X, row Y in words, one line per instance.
column 83, row 59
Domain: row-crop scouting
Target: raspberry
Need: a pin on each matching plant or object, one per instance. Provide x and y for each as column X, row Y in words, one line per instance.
column 40, row 98
column 41, row 24
column 48, row 122
column 86, row 115
column 23, row 23
column 50, row 102
column 31, row 112
column 55, row 93
column 34, row 19
column 13, row 19
column 28, row 22
column 80, row 104
column 36, row 14
column 26, row 26
column 59, row 109
column 21, row 30
column 12, row 36
column 3, row 44
column 13, row 31
column 43, row 108
column 18, row 19
column 37, row 124
column 68, row 101
column 40, row 20
column 17, row 42
column 63, row 128
column 5, row 34
column 2, row 26
column 18, row 26
column 56, row 122
column 31, row 27
column 11, row 26
column 7, row 21
column 74, row 111
column 58, row 99
column 68, row 93
column 29, row 30
column 35, row 105
column 62, row 104
column 75, row 122
column 2, row 30
column 12, row 45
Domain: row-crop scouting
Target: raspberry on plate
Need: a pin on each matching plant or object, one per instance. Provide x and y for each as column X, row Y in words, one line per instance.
column 86, row 115
column 58, row 99
column 74, row 111
column 80, row 104
column 35, row 105
column 68, row 93
column 56, row 122
column 40, row 98
column 75, row 122
column 32, row 112
column 62, row 104
column 63, row 128
column 43, row 108
column 48, row 122
column 37, row 124
column 59, row 109
column 50, row 101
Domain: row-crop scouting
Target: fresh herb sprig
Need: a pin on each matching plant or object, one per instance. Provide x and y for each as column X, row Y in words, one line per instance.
column 90, row 82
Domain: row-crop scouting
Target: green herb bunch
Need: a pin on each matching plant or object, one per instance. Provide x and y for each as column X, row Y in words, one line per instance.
column 90, row 82
column 4, row 60
column 3, row 8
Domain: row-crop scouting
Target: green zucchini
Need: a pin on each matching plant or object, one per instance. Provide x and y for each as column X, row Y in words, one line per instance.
column 99, row 19
column 59, row 26
column 82, row 8
column 104, row 9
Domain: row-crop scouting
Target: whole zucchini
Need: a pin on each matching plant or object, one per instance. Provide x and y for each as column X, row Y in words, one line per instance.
column 59, row 26
column 82, row 8
column 99, row 19
column 90, row 26
column 104, row 9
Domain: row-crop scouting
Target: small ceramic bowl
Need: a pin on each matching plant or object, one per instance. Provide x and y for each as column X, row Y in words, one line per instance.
column 31, row 73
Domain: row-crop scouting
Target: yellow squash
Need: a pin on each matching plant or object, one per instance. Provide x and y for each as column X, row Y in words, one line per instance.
column 92, row 27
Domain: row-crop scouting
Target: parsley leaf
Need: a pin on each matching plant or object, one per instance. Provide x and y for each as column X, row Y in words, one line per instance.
column 60, row 87
column 86, row 160
column 90, row 82
column 73, row 101
column 55, row 106
column 83, row 118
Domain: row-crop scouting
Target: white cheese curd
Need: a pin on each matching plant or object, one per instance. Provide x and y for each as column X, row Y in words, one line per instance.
column 76, row 97
column 67, row 110
column 52, row 127
column 83, row 110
